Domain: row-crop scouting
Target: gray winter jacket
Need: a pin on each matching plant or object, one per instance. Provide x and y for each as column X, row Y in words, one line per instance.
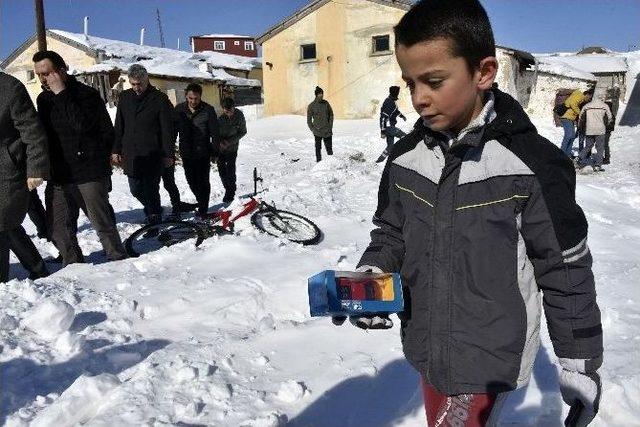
column 23, row 151
column 231, row 129
column 477, row 230
column 597, row 117
column 320, row 118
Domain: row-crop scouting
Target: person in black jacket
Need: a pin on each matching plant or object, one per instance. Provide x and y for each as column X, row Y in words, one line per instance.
column 198, row 128
column 389, row 114
column 24, row 163
column 145, row 141
column 80, row 139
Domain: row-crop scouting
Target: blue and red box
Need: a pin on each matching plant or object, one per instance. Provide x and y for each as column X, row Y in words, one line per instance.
column 335, row 293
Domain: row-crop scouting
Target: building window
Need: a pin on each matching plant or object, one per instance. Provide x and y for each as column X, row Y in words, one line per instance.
column 218, row 45
column 308, row 51
column 30, row 75
column 248, row 45
column 381, row 44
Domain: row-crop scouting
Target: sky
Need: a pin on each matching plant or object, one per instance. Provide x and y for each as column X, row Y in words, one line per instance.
column 532, row 25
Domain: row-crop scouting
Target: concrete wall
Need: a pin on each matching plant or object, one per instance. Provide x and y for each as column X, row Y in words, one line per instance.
column 544, row 94
column 354, row 80
column 23, row 63
column 511, row 80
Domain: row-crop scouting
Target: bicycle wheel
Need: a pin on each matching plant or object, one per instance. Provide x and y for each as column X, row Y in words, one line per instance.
column 156, row 236
column 288, row 225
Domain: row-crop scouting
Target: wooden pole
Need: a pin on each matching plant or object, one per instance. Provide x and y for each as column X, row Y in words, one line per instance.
column 40, row 28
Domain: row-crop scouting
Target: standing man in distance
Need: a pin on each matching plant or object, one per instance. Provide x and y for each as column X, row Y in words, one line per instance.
column 232, row 127
column 198, row 129
column 320, row 121
column 80, row 136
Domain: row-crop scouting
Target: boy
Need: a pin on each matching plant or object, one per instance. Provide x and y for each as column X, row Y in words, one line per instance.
column 477, row 212
column 389, row 114
column 597, row 118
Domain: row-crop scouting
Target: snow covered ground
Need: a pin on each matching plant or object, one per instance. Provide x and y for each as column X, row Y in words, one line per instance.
column 221, row 335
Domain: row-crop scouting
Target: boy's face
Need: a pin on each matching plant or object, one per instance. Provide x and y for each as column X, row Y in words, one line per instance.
column 443, row 91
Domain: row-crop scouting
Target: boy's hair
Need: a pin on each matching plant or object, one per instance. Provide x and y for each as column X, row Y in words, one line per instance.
column 590, row 90
column 54, row 57
column 463, row 22
column 228, row 103
column 194, row 87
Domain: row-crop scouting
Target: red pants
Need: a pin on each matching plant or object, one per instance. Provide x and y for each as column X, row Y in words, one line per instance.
column 463, row 410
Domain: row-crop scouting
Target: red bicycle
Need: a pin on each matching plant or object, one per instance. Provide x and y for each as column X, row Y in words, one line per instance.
column 265, row 217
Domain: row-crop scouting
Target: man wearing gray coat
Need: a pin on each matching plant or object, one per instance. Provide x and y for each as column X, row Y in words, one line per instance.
column 320, row 121
column 24, row 163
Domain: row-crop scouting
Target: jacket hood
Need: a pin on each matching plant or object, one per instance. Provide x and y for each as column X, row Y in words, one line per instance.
column 510, row 117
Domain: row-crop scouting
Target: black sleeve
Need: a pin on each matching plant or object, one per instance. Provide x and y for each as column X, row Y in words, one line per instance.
column 386, row 249
column 554, row 229
column 105, row 126
column 118, row 130
column 242, row 126
column 32, row 134
column 214, row 130
column 166, row 127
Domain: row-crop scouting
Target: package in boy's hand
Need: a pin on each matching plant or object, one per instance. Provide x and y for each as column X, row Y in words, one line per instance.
column 335, row 293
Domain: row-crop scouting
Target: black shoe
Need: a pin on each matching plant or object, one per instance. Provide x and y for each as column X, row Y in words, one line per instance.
column 598, row 169
column 185, row 207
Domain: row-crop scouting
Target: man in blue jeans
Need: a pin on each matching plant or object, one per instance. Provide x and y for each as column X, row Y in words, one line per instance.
column 388, row 118
column 573, row 103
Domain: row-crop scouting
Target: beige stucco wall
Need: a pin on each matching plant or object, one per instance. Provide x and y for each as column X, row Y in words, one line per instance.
column 369, row 76
column 354, row 81
column 19, row 67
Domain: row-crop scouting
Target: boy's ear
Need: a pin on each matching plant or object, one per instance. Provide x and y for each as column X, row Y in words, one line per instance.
column 487, row 71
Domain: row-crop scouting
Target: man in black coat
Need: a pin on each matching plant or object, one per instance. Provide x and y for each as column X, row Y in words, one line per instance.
column 145, row 140
column 80, row 137
column 197, row 124
column 23, row 165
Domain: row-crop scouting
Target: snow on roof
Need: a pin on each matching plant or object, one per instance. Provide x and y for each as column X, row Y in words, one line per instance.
column 562, row 69
column 224, row 36
column 590, row 63
column 163, row 61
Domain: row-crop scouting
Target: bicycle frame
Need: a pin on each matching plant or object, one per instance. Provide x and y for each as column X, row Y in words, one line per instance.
column 224, row 216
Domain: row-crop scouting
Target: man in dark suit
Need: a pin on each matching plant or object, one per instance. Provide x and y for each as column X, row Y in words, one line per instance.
column 145, row 140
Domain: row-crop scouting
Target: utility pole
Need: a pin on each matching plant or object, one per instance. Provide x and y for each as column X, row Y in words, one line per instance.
column 40, row 28
column 160, row 28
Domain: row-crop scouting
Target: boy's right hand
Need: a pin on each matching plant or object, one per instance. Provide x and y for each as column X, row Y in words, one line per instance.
column 366, row 321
